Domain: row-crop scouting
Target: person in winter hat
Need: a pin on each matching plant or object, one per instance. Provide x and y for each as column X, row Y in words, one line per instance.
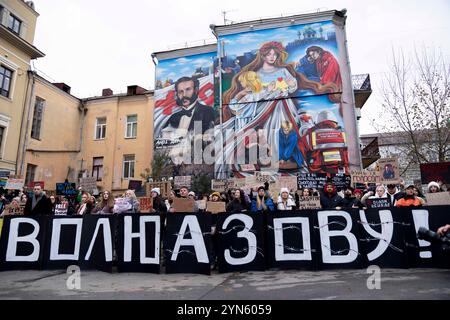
column 285, row 200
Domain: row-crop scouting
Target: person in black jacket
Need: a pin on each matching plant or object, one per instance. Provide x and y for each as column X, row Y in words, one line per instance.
column 238, row 204
column 38, row 204
column 330, row 199
column 350, row 201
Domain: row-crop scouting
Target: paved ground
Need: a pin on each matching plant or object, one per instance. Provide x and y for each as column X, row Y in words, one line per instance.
column 284, row 285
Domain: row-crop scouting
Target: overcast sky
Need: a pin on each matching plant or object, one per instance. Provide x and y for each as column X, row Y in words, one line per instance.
column 91, row 45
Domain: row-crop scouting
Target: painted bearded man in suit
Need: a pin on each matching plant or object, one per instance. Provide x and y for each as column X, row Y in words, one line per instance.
column 192, row 111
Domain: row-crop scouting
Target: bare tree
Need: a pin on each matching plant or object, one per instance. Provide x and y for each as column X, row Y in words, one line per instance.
column 162, row 167
column 416, row 98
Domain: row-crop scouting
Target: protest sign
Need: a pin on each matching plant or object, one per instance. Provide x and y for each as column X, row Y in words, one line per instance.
column 341, row 181
column 66, row 189
column 290, row 182
column 219, row 185
column 14, row 211
column 215, row 207
column 364, row 176
column 388, row 170
column 164, row 186
column 236, row 183
column 438, row 198
column 311, row 180
column 183, row 205
column 263, row 177
column 134, row 184
column 378, row 203
column 308, row 203
column 14, row 184
column 435, row 172
column 145, row 205
column 183, row 181
column 88, row 184
column 61, row 209
column 3, row 182
column 121, row 205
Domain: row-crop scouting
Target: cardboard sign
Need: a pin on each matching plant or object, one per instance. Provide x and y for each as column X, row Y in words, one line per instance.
column 121, row 205
column 389, row 171
column 215, row 207
column 14, row 211
column 3, row 182
column 183, row 205
column 311, row 180
column 236, row 183
column 364, row 176
column 164, row 186
column 289, row 182
column 264, row 177
column 219, row 185
column 88, row 184
column 309, row 203
column 380, row 203
column 435, row 172
column 14, row 184
column 146, row 205
column 437, row 199
column 66, row 189
column 61, row 209
column 183, row 181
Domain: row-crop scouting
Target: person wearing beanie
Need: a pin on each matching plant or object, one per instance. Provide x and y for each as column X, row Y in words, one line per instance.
column 262, row 202
column 433, row 187
column 329, row 199
column 215, row 197
column 159, row 205
column 410, row 200
column 285, row 200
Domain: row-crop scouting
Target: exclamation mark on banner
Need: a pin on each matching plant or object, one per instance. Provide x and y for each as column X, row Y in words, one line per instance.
column 421, row 220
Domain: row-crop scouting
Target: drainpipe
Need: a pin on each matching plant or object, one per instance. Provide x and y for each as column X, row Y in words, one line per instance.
column 83, row 118
column 25, row 141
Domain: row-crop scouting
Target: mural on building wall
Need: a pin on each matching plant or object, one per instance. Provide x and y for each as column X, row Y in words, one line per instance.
column 184, row 96
column 284, row 83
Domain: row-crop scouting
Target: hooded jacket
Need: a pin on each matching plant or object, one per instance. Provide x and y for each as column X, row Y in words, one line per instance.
column 332, row 200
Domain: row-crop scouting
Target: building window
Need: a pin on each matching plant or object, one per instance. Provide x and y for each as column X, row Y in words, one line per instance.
column 31, row 174
column 37, row 118
column 2, row 134
column 14, row 24
column 131, row 130
column 97, row 168
column 128, row 166
column 5, row 81
column 100, row 129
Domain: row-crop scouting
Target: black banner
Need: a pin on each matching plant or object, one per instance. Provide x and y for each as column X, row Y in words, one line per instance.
column 138, row 243
column 311, row 180
column 187, row 243
column 292, row 240
column 341, row 181
column 306, row 239
column 241, row 242
column 22, row 243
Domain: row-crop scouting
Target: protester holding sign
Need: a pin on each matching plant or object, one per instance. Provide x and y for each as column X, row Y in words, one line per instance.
column 85, row 207
column 285, row 201
column 38, row 204
column 380, row 192
column 132, row 199
column 409, row 200
column 14, row 208
column 159, row 204
column 350, row 201
column 185, row 194
column 262, row 203
column 330, row 199
column 106, row 204
column 433, row 187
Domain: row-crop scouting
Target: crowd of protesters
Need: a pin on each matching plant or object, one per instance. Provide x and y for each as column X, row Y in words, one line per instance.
column 236, row 200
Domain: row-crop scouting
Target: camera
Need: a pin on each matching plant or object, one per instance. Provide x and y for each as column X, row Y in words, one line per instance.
column 428, row 235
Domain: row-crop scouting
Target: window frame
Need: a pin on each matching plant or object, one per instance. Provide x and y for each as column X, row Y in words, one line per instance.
column 14, row 19
column 2, row 81
column 132, row 124
column 131, row 165
column 34, row 135
column 30, row 174
column 102, row 128
column 97, row 169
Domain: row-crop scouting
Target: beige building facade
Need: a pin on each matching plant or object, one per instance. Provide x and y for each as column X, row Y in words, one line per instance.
column 17, row 28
